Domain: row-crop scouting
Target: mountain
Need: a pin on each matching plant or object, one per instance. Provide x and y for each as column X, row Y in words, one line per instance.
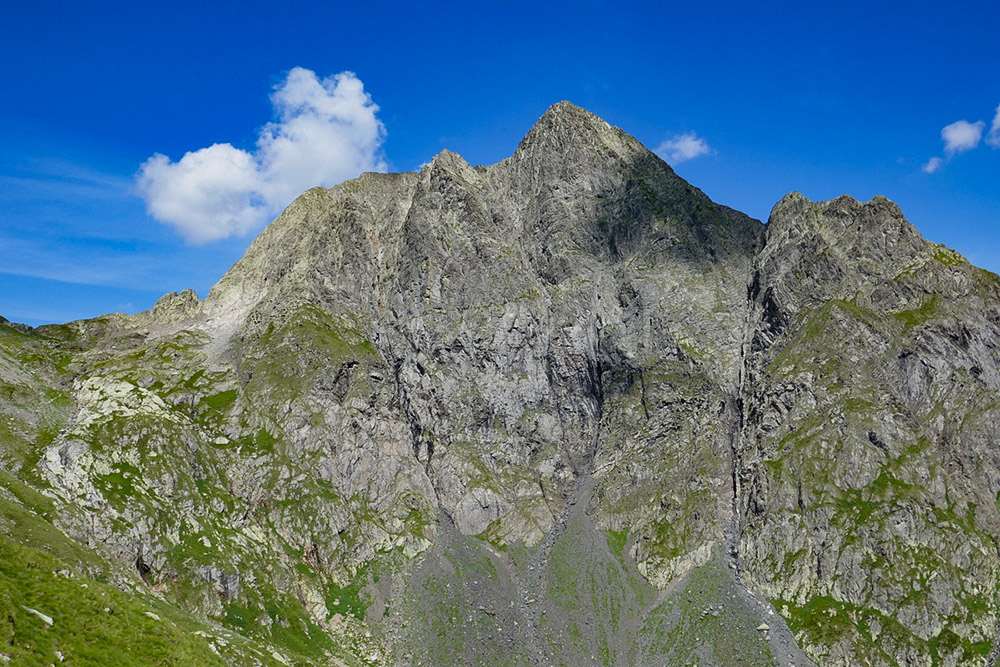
column 563, row 409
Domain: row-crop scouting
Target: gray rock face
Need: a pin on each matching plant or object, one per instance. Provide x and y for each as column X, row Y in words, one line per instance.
column 868, row 459
column 561, row 409
column 514, row 328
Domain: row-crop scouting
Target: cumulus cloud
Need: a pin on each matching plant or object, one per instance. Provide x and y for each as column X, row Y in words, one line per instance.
column 682, row 148
column 961, row 136
column 933, row 165
column 325, row 131
column 993, row 138
column 207, row 195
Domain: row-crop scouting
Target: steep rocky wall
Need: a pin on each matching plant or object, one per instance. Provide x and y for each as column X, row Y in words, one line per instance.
column 565, row 397
column 528, row 339
column 867, row 458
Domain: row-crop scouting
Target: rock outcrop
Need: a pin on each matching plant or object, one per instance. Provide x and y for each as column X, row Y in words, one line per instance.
column 563, row 409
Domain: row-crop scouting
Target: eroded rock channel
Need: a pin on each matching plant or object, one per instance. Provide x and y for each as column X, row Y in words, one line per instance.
column 560, row 410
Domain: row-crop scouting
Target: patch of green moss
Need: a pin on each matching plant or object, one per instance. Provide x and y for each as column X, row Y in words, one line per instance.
column 824, row 622
column 221, row 401
column 616, row 542
column 269, row 616
column 348, row 599
column 948, row 257
column 119, row 485
column 948, row 644
column 917, row 316
column 192, row 381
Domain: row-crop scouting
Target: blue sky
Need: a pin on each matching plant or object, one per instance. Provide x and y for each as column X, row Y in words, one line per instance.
column 762, row 98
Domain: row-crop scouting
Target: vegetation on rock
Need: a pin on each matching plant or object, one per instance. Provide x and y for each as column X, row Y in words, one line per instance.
column 563, row 409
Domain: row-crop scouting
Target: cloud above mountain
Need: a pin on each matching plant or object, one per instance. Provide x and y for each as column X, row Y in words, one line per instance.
column 962, row 136
column 325, row 131
column 683, row 147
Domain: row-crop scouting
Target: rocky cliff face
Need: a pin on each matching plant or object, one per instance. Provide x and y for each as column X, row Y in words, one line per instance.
column 563, row 409
column 869, row 467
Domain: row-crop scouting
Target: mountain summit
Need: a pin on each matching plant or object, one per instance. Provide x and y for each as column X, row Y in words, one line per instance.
column 563, row 409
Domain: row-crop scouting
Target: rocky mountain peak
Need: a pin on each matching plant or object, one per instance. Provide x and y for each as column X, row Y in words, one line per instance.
column 576, row 188
column 559, row 407
column 840, row 249
column 176, row 306
column 576, row 140
column 447, row 159
column 564, row 121
column 845, row 222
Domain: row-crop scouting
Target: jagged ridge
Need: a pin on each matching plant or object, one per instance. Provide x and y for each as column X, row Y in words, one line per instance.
column 533, row 397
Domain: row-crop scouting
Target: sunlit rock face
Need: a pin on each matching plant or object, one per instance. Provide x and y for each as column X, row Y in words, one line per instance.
column 563, row 409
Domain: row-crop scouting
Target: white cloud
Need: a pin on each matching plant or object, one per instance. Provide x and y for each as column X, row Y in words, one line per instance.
column 933, row 165
column 961, row 136
column 993, row 138
column 682, row 148
column 326, row 132
column 207, row 195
